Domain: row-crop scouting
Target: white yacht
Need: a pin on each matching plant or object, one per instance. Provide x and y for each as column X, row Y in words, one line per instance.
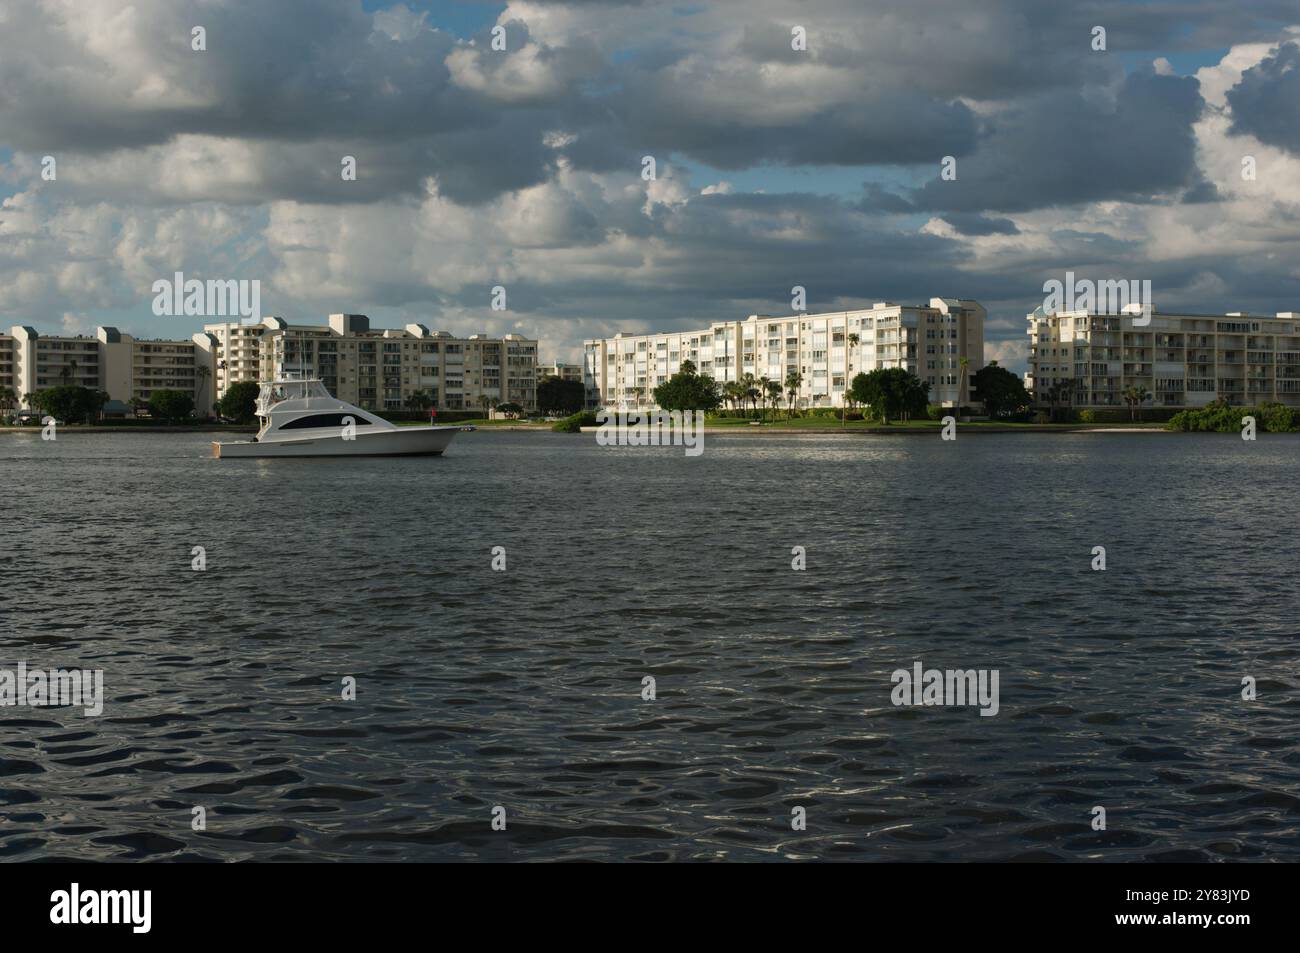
column 301, row 419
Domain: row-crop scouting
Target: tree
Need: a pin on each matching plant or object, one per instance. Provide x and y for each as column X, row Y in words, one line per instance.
column 419, row 400
column 793, row 381
column 763, row 391
column 749, row 387
column 687, row 390
column 774, row 391
column 1055, row 394
column 1135, row 396
column 733, row 393
column 890, row 392
column 510, row 409
column 561, row 398
column 239, row 402
column 964, row 364
column 68, row 402
column 201, row 375
column 171, row 405
column 8, row 398
column 1001, row 391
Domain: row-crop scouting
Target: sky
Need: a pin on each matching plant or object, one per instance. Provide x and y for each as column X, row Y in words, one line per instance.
column 523, row 168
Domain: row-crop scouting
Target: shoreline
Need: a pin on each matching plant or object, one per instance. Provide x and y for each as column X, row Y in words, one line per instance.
column 711, row 431
column 917, row 431
column 162, row 428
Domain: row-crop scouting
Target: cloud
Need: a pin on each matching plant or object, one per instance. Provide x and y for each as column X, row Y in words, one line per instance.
column 1065, row 147
column 1266, row 102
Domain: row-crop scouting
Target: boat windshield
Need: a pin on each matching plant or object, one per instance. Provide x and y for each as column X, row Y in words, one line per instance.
column 274, row 392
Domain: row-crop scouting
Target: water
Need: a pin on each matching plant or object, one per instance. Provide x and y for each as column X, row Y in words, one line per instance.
column 522, row 688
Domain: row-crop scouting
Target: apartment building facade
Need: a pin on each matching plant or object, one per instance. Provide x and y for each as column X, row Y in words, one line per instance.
column 120, row 365
column 1180, row 360
column 8, row 370
column 826, row 350
column 381, row 369
column 566, row 372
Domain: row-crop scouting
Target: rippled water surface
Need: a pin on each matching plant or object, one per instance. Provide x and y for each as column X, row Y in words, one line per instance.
column 523, row 688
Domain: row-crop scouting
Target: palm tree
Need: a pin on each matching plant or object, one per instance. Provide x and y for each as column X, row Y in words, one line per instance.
column 750, row 386
column 1055, row 394
column 793, row 381
column 964, row 364
column 774, row 390
column 201, row 375
column 734, row 393
column 8, row 397
column 1135, row 396
column 848, row 405
column 1066, row 395
column 69, row 370
column 763, row 392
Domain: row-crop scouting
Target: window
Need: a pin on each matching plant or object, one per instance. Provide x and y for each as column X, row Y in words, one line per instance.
column 323, row 420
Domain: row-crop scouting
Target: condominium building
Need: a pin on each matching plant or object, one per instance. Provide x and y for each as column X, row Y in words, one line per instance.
column 1180, row 360
column 381, row 369
column 238, row 349
column 825, row 350
column 565, row 372
column 118, row 364
column 8, row 368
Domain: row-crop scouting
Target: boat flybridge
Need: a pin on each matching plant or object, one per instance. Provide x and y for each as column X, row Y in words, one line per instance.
column 300, row 419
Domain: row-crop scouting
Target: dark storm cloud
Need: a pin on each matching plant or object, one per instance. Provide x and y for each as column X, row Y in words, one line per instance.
column 1063, row 148
column 887, row 85
column 972, row 224
column 899, row 128
column 1174, row 25
column 1266, row 103
column 291, row 70
column 719, row 255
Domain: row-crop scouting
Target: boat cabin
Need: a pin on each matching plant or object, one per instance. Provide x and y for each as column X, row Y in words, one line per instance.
column 274, row 392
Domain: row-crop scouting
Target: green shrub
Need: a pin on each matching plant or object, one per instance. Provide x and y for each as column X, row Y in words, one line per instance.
column 1276, row 418
column 1220, row 417
column 936, row 411
column 585, row 418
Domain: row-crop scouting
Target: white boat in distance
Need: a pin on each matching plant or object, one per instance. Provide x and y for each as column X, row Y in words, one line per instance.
column 301, row 419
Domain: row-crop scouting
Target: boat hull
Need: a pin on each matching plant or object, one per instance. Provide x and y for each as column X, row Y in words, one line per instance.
column 403, row 441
